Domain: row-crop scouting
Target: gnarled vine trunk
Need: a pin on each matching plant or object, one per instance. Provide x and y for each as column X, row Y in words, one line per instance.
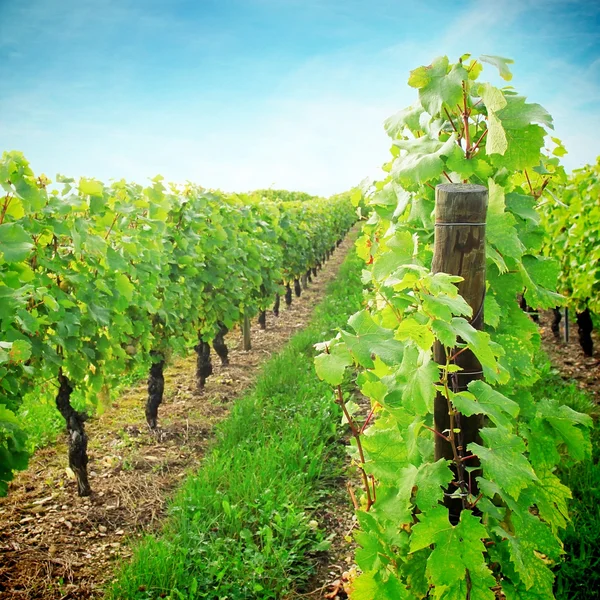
column 220, row 346
column 262, row 319
column 585, row 327
column 203, row 363
column 276, row 305
column 78, row 438
column 297, row 288
column 288, row 294
column 156, row 389
column 556, row 318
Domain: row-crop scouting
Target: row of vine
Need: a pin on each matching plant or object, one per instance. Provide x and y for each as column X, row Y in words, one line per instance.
column 100, row 280
column 572, row 218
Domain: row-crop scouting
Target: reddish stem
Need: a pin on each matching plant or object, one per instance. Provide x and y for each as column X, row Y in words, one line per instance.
column 356, row 434
column 437, row 433
column 479, row 141
column 368, row 419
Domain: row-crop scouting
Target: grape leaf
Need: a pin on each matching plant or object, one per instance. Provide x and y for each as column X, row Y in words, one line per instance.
column 438, row 84
column 500, row 63
column 331, row 366
column 503, row 460
column 15, row 242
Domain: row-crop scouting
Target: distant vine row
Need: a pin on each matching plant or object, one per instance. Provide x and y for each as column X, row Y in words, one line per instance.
column 99, row 280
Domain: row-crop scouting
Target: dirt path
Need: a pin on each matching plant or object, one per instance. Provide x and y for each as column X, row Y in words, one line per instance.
column 55, row 545
column 568, row 357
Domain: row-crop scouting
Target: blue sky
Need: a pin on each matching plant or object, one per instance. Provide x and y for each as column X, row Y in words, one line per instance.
column 240, row 94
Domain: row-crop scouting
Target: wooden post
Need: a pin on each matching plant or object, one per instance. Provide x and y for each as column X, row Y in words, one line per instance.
column 246, row 333
column 459, row 249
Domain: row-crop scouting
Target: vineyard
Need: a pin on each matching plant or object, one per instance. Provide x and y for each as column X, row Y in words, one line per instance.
column 467, row 454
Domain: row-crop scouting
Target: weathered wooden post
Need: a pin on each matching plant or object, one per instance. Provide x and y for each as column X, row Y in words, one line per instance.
column 459, row 249
column 246, row 333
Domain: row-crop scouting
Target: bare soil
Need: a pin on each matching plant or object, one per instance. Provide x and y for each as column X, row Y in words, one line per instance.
column 568, row 357
column 56, row 545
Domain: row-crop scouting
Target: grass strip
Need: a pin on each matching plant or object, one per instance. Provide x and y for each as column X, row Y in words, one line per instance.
column 242, row 526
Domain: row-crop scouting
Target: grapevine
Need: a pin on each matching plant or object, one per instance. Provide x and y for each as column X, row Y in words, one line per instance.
column 572, row 217
column 100, row 280
column 512, row 507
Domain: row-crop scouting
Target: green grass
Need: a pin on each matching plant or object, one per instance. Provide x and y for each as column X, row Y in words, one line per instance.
column 578, row 577
column 242, row 526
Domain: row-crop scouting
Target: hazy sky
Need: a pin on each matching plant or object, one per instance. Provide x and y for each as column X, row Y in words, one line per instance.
column 240, row 94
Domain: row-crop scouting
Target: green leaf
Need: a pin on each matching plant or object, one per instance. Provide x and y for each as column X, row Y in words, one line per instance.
column 408, row 117
column 517, row 114
column 371, row 340
column 500, row 63
column 487, row 401
column 420, row 334
column 91, row 187
column 401, row 248
column 444, row 307
column 456, row 550
column 393, row 502
column 20, row 351
column 531, row 538
column 413, row 383
column 524, row 146
column 491, row 311
column 124, row 286
column 519, row 591
column 386, row 453
column 438, row 84
column 432, row 525
column 331, row 367
column 503, row 460
column 15, row 242
column 445, row 333
column 369, row 586
column 501, row 233
column 431, row 481
column 423, row 159
column 540, row 274
column 551, row 498
column 477, row 341
column 565, row 422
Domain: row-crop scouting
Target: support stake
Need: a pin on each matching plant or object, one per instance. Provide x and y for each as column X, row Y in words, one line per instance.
column 459, row 249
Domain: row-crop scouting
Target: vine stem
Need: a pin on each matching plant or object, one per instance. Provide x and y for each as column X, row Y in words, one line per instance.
column 529, row 182
column 356, row 434
column 7, row 200
column 369, row 417
column 465, row 116
column 456, row 354
column 452, row 123
column 479, row 141
column 452, row 436
column 111, row 226
column 444, row 437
